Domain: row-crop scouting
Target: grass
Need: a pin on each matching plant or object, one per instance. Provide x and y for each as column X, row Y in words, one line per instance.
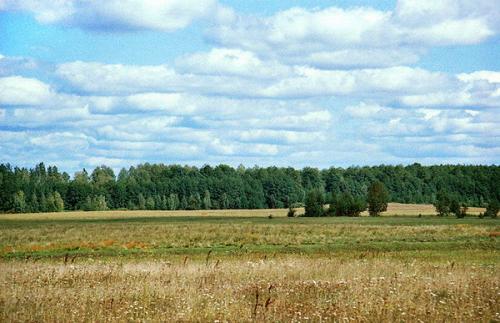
column 243, row 266
column 394, row 209
column 285, row 288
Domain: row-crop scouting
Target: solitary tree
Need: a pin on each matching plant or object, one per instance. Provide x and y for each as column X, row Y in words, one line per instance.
column 442, row 203
column 378, row 197
column 314, row 203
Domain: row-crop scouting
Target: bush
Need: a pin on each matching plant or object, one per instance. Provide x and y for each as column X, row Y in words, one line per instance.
column 347, row 205
column 291, row 212
column 314, row 203
column 457, row 208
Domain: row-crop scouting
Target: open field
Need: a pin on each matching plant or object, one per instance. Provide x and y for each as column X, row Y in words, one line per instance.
column 394, row 209
column 242, row 266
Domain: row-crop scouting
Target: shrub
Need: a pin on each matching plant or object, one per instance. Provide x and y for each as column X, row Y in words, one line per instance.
column 347, row 205
column 314, row 203
column 457, row 208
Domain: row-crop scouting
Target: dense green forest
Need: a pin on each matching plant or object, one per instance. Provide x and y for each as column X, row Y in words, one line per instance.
column 172, row 187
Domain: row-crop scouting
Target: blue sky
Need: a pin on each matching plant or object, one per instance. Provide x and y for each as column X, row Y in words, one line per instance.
column 298, row 83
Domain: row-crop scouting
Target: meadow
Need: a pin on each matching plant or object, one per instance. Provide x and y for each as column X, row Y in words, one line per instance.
column 243, row 265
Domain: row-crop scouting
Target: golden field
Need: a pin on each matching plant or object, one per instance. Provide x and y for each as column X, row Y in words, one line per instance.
column 393, row 209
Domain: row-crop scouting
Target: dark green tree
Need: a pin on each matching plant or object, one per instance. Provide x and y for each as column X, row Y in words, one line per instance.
column 492, row 208
column 348, row 205
column 442, row 203
column 34, row 206
column 194, row 202
column 342, row 204
column 43, row 203
column 454, row 207
column 358, row 206
column 184, row 203
column 51, row 203
column 377, row 199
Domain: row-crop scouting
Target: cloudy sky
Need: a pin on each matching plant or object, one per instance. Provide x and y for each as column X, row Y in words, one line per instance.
column 288, row 83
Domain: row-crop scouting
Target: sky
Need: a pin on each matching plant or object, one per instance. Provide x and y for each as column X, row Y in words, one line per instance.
column 289, row 83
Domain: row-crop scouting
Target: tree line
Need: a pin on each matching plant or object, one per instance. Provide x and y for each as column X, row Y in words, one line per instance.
column 176, row 187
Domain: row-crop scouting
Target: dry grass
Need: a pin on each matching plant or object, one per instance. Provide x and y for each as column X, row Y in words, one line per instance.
column 114, row 214
column 288, row 288
column 241, row 266
column 416, row 209
column 393, row 209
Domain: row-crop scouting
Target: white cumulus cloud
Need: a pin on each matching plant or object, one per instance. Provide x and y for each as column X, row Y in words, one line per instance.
column 18, row 90
column 122, row 15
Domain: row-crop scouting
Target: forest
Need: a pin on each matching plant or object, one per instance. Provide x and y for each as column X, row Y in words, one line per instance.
column 175, row 187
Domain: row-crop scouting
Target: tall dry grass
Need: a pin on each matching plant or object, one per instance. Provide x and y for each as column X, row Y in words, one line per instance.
column 287, row 288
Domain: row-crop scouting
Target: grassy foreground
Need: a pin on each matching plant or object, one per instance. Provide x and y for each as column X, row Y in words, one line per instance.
column 242, row 266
